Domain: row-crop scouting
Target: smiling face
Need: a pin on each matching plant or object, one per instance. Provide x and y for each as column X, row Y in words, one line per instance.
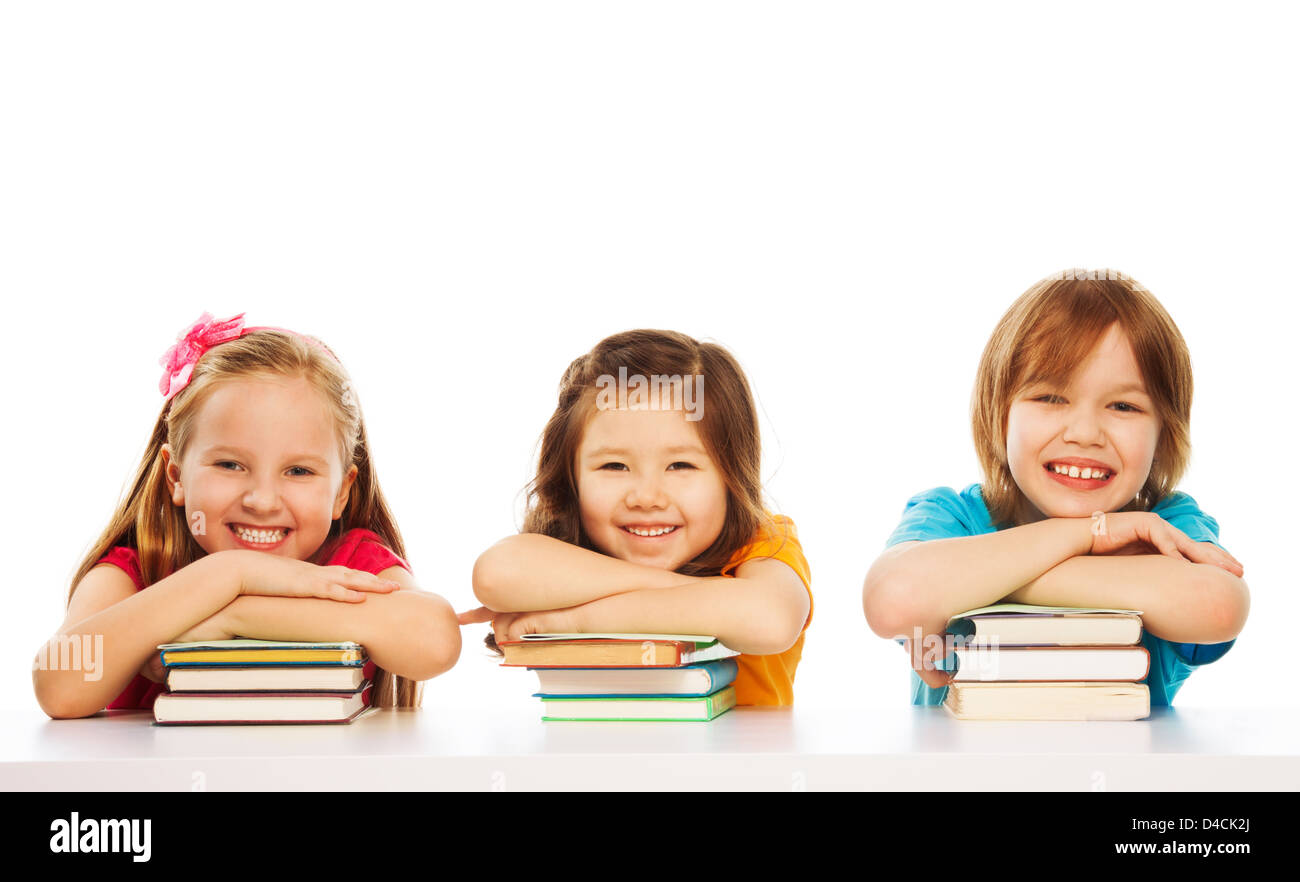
column 1060, row 439
column 263, row 467
column 648, row 493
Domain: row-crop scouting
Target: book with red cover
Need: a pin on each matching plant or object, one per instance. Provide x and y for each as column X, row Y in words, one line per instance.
column 611, row 651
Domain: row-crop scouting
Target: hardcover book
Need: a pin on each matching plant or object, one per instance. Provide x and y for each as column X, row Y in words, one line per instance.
column 612, row 651
column 175, row 708
column 693, row 680
column 640, row 708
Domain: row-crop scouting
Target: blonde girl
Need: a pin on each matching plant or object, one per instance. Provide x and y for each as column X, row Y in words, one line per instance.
column 255, row 512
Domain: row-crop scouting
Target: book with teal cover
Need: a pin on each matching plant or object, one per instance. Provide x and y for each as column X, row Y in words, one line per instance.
column 689, row 681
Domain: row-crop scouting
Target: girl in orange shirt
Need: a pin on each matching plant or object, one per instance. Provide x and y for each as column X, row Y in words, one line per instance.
column 646, row 516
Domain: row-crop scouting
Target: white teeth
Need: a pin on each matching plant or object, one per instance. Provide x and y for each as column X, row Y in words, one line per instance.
column 265, row 537
column 1076, row 472
column 636, row 531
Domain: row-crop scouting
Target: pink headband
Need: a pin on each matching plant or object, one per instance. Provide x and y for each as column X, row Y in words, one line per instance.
column 178, row 361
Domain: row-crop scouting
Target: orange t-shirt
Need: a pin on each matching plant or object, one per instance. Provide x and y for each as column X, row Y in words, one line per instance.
column 769, row 679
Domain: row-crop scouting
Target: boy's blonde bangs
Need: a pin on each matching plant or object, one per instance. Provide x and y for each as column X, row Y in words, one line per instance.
column 1045, row 335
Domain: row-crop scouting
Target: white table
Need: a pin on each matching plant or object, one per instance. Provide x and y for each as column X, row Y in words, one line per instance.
column 747, row 749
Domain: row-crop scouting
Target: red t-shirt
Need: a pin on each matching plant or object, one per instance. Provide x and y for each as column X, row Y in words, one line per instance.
column 357, row 549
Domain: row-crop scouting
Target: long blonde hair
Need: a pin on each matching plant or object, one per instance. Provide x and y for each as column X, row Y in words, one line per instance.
column 1044, row 336
column 148, row 521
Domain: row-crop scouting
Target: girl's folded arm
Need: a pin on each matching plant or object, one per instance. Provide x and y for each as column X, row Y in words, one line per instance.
column 922, row 584
column 530, row 571
column 117, row 629
column 1181, row 601
column 760, row 611
column 410, row 633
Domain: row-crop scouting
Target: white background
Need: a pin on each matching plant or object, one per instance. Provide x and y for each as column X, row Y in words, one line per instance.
column 461, row 198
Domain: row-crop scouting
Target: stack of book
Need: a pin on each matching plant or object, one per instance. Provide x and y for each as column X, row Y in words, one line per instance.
column 263, row 681
column 1021, row 662
column 630, row 677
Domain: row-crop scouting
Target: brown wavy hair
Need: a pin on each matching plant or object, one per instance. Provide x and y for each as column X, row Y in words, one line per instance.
column 148, row 521
column 1043, row 337
column 728, row 428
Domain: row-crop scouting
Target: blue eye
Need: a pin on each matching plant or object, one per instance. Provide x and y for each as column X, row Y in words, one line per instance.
column 305, row 471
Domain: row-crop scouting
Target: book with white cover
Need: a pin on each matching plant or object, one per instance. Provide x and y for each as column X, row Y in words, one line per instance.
column 692, row 680
column 1048, row 701
column 1019, row 624
column 174, row 708
column 1052, row 663
column 269, row 678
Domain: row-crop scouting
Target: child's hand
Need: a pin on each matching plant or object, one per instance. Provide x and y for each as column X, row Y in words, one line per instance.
column 273, row 575
column 153, row 669
column 512, row 626
column 925, row 663
column 1141, row 532
column 211, row 628
column 476, row 616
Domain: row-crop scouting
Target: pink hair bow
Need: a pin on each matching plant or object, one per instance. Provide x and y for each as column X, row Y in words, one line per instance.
column 178, row 361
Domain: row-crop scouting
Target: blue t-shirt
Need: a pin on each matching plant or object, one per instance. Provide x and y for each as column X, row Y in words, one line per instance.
column 942, row 513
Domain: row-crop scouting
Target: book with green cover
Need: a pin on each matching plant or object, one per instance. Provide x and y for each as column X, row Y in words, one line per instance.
column 639, row 708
